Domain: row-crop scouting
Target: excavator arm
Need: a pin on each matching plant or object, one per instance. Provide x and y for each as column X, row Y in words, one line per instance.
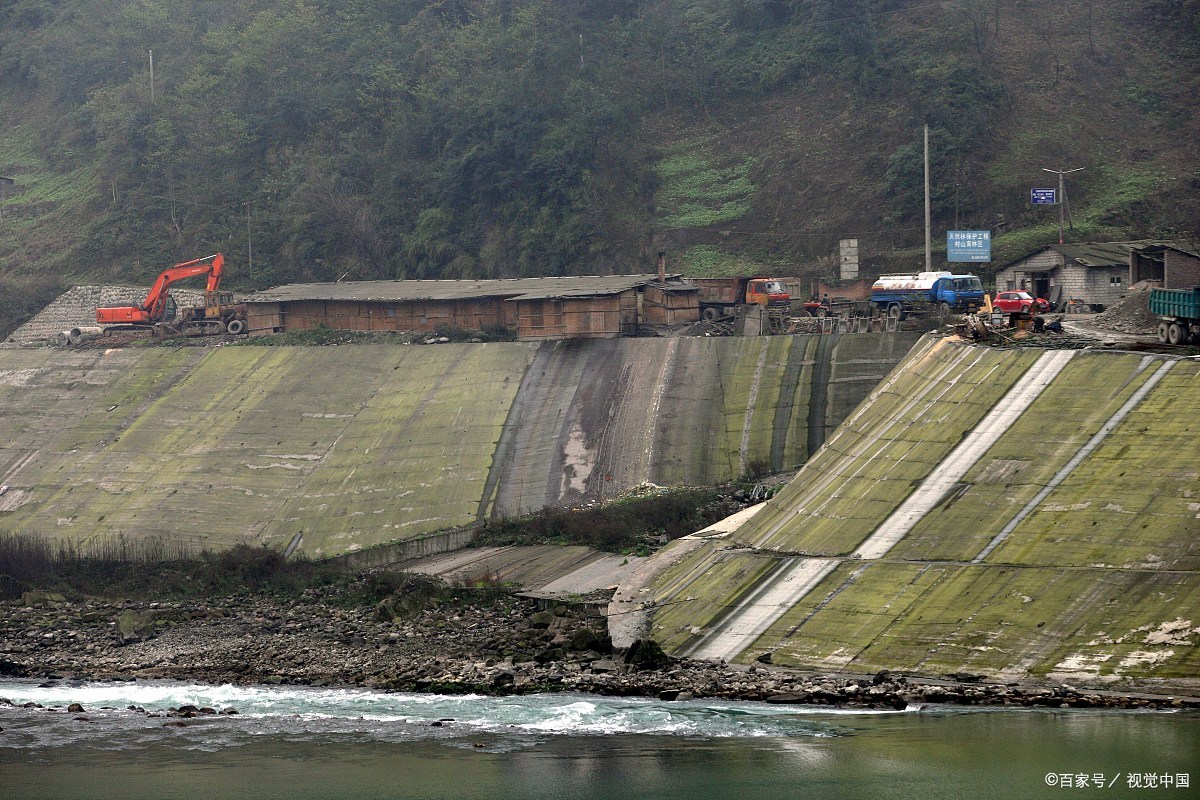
column 156, row 302
column 153, row 308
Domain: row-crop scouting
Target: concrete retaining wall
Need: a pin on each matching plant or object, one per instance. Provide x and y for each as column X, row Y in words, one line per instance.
column 348, row 448
column 1012, row 513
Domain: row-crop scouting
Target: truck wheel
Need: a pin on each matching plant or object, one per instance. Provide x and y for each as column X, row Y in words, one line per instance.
column 710, row 314
column 894, row 311
column 944, row 308
column 1162, row 332
column 235, row 327
column 1176, row 333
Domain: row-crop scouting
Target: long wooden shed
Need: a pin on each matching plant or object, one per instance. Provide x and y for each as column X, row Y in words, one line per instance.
column 535, row 308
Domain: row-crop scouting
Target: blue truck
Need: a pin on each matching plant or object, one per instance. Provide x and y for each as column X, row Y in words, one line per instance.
column 943, row 292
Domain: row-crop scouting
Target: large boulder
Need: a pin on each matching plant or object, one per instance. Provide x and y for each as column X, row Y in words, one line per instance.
column 136, row 626
column 647, row 654
column 43, row 599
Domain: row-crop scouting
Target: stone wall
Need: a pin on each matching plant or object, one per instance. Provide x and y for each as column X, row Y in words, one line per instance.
column 77, row 307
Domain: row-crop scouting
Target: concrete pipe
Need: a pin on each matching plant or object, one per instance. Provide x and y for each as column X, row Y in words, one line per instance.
column 82, row 334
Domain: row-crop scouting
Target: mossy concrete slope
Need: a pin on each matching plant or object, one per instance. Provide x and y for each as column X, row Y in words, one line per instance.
column 596, row 418
column 331, row 449
column 1012, row 513
column 335, row 450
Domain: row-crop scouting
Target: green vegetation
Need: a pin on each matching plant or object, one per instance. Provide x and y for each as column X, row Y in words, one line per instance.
column 152, row 568
column 696, row 194
column 710, row 261
column 635, row 525
column 460, row 138
column 160, row 570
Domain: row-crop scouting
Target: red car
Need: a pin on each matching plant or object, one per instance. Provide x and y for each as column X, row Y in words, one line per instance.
column 1017, row 301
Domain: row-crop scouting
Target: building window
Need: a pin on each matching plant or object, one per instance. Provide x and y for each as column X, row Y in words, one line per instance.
column 1115, row 280
column 1010, row 285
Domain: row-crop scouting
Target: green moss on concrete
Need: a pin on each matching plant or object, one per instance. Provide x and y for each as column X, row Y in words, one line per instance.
column 878, row 456
column 417, row 455
column 1072, row 409
column 1100, row 582
column 702, row 590
column 843, row 614
column 933, row 619
column 692, row 401
column 1134, row 501
column 347, row 446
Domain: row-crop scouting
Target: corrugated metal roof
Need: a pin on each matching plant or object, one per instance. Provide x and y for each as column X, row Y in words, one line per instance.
column 1157, row 250
column 1099, row 254
column 505, row 288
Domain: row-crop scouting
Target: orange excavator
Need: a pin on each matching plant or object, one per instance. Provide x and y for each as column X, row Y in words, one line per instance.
column 159, row 313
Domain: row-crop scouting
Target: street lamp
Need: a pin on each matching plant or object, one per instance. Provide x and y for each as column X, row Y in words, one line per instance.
column 1062, row 196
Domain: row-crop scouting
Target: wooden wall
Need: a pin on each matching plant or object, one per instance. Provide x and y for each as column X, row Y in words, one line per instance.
column 577, row 317
column 583, row 317
column 669, row 307
column 380, row 315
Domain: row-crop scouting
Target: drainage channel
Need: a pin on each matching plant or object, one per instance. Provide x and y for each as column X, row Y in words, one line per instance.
column 794, row 581
column 1134, row 400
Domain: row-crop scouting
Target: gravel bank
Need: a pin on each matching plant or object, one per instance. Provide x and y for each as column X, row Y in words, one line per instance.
column 505, row 645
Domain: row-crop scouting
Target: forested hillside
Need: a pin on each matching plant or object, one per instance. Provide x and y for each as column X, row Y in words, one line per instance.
column 315, row 139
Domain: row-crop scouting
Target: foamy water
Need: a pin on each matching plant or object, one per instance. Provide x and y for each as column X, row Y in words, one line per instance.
column 298, row 743
column 388, row 716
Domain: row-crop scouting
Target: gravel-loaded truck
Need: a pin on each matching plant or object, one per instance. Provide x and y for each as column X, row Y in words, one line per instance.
column 1178, row 312
column 720, row 296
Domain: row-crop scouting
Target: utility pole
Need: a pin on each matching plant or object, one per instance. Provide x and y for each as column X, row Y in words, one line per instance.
column 151, row 77
column 1062, row 195
column 928, row 247
column 249, row 245
column 4, row 184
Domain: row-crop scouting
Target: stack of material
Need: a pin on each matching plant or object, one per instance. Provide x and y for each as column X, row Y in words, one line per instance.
column 1131, row 314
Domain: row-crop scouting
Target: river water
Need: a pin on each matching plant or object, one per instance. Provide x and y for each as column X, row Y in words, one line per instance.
column 302, row 743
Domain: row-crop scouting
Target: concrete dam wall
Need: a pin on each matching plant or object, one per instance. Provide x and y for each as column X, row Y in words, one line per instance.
column 335, row 450
column 1000, row 512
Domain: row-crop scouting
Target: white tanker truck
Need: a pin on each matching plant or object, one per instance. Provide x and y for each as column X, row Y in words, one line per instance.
column 944, row 292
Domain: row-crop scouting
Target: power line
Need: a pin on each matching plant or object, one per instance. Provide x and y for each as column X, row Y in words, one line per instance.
column 1062, row 196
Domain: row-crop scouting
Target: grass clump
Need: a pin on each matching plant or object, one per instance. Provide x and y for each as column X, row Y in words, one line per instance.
column 635, row 526
column 154, row 569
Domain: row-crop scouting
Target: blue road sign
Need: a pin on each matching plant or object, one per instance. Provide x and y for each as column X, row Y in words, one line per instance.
column 968, row 245
column 1043, row 197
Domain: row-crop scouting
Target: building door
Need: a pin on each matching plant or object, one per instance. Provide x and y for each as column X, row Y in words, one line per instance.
column 1041, row 284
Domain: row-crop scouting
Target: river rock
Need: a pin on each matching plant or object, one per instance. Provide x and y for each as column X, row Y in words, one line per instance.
column 542, row 619
column 646, row 654
column 42, row 599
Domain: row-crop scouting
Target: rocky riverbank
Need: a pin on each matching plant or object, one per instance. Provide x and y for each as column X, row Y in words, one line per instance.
column 499, row 645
